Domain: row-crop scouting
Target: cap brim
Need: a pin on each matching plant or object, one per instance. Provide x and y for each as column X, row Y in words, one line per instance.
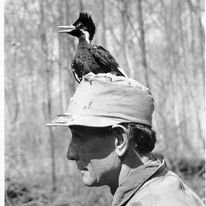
column 89, row 121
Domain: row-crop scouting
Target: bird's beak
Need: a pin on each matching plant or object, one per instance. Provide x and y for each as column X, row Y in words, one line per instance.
column 66, row 29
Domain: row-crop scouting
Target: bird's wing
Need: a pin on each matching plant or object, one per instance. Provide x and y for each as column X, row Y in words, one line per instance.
column 76, row 77
column 105, row 59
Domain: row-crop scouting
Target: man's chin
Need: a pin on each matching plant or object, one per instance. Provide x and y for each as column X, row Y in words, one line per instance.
column 89, row 183
column 88, row 180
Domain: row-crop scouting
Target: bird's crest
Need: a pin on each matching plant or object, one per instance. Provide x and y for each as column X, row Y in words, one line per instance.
column 86, row 19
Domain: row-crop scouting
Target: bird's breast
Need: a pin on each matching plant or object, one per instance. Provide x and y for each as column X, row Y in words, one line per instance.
column 84, row 55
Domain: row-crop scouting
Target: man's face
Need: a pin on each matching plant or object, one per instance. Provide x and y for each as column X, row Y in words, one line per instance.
column 93, row 149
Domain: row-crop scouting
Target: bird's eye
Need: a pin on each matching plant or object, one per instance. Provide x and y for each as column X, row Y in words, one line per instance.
column 78, row 25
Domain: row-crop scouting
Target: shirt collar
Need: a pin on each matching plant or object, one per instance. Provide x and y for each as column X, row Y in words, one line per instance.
column 132, row 183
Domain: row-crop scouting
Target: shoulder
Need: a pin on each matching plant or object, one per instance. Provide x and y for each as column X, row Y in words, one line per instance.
column 167, row 190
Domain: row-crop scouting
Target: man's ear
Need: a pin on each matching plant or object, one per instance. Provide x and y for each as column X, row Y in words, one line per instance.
column 121, row 139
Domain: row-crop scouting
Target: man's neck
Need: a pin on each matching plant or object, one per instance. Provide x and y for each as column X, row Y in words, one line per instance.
column 130, row 162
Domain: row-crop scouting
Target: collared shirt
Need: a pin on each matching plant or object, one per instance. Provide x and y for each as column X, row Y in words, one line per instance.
column 152, row 184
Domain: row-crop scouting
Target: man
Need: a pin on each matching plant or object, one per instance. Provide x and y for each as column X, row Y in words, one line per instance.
column 110, row 119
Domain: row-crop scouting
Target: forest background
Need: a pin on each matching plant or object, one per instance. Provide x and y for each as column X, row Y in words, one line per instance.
column 157, row 42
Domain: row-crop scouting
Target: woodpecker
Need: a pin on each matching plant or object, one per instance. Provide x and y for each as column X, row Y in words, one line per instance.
column 89, row 57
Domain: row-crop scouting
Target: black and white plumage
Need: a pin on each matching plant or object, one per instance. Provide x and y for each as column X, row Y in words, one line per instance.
column 89, row 57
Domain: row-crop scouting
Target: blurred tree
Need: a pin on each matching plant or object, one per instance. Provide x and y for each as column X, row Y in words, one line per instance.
column 142, row 41
column 48, row 67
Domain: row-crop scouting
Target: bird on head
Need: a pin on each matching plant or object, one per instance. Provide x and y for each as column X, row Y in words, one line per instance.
column 89, row 57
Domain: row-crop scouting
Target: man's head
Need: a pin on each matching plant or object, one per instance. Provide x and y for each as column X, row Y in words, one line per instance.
column 110, row 119
column 100, row 152
column 93, row 149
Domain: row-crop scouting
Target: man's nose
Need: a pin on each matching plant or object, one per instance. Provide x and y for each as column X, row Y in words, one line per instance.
column 72, row 152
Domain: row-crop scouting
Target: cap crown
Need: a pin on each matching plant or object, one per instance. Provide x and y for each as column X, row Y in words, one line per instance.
column 108, row 100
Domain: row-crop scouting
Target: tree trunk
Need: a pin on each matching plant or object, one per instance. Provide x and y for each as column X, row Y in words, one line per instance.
column 15, row 87
column 60, row 59
column 142, row 41
column 104, row 42
column 81, row 5
column 126, row 60
column 69, row 48
column 47, row 66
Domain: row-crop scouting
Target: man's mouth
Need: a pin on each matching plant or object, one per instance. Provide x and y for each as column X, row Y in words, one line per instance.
column 84, row 169
column 81, row 167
